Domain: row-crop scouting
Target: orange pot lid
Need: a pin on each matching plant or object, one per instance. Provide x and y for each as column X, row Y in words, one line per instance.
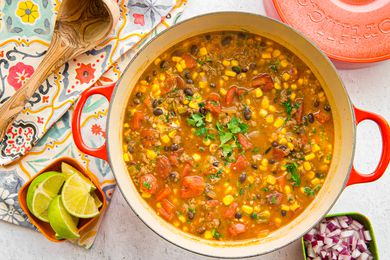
column 346, row 30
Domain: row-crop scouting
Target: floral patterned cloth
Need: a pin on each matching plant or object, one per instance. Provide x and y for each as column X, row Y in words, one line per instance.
column 43, row 129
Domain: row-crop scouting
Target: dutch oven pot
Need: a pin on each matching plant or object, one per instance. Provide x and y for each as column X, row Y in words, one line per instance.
column 345, row 116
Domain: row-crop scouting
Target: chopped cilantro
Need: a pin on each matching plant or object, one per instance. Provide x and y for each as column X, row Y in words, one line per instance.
column 274, row 65
column 241, row 191
column 273, row 199
column 196, row 120
column 202, row 149
column 235, row 126
column 227, row 150
column 265, row 189
column 216, row 234
column 255, row 150
column 295, row 177
column 311, row 192
column 225, row 137
column 216, row 175
column 189, row 98
column 146, row 185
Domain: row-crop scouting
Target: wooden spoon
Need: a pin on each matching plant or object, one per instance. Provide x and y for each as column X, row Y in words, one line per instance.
column 80, row 26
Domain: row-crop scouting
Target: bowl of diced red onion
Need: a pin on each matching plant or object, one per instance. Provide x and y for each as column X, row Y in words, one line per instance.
column 344, row 236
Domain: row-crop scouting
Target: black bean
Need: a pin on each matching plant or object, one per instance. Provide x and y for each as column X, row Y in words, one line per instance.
column 271, row 161
column 247, row 113
column 174, row 147
column 213, row 85
column 130, row 149
column 320, row 175
column 202, row 110
column 226, row 40
column 139, row 94
column 274, row 143
column 208, row 37
column 136, row 101
column 242, row 177
column 327, row 107
column 194, row 49
column 174, row 176
column 215, row 164
column 201, row 230
column 316, row 103
column 283, row 213
column 310, row 117
column 190, row 81
column 186, row 74
column 188, row 92
column 190, row 215
column 254, row 166
column 163, row 64
column 154, row 103
column 238, row 215
column 236, row 69
column 148, row 78
column 244, row 70
column 283, row 147
column 158, row 112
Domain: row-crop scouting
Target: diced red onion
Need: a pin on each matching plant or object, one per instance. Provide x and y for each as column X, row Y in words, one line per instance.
column 338, row 238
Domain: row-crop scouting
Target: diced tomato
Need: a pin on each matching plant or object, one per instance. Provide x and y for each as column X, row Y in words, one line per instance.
column 167, row 209
column 148, row 183
column 244, row 141
column 136, row 120
column 163, row 166
column 187, row 169
column 173, row 159
column 264, row 81
column 237, row 228
column 282, row 181
column 241, row 91
column 148, row 137
column 213, row 203
column 192, row 186
column 214, row 97
column 279, row 153
column 172, row 82
column 298, row 115
column 164, row 193
column 230, row 95
column 322, row 117
column 189, row 60
column 215, row 109
column 147, row 102
column 231, row 210
column 240, row 164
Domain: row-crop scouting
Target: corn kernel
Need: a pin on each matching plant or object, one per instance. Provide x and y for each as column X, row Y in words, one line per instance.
column 228, row 189
column 151, row 154
column 226, row 63
column 182, row 218
column 157, row 61
column 326, row 160
column 263, row 112
column 146, row 195
column 203, row 84
column 271, row 179
column 315, row 148
column 194, row 75
column 283, row 141
column 266, row 55
column 234, row 63
column 209, row 117
column 278, row 122
column 225, row 78
column 183, row 64
column 278, row 221
column 302, row 190
column 208, row 235
column 276, row 53
column 300, row 81
column 179, row 67
column 293, row 96
column 264, row 162
column 162, row 77
column 185, row 229
column 196, row 157
column 222, row 91
column 158, row 205
column 258, row 92
column 213, row 148
column 293, row 86
column 172, row 133
column 269, row 119
column 193, row 105
column 230, row 73
column 203, row 51
column 176, row 58
column 310, row 175
column 186, row 101
column 228, row 199
column 263, row 168
column 206, row 142
column 221, row 82
column 284, row 63
column 310, row 156
column 126, row 157
column 176, row 223
column 271, row 108
column 315, row 181
column 286, row 76
column 265, row 102
column 277, row 85
column 265, row 214
column 247, row 209
column 165, row 139
column 155, row 87
column 307, row 166
column 251, row 179
column 287, row 189
column 294, row 206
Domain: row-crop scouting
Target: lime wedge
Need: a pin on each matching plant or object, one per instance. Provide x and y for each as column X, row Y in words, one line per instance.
column 41, row 192
column 98, row 203
column 77, row 198
column 69, row 170
column 61, row 221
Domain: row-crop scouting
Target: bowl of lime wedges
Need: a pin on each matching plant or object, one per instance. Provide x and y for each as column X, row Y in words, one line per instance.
column 63, row 200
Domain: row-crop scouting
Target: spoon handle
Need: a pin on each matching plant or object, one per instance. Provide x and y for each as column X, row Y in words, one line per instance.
column 58, row 53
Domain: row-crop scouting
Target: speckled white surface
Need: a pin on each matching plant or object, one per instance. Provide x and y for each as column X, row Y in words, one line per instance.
column 124, row 236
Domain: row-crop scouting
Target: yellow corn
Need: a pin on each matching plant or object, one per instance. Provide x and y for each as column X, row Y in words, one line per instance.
column 194, row 75
column 310, row 156
column 176, row 223
column 226, row 63
column 176, row 58
column 310, row 175
column 203, row 51
column 276, row 53
column 265, row 214
column 222, row 91
column 213, row 148
column 263, row 112
column 271, row 179
column 208, row 235
column 294, row 206
column 151, row 154
column 269, row 119
column 293, row 86
column 258, row 92
column 228, row 199
column 186, row 101
column 203, row 84
column 172, row 133
column 266, row 55
column 315, row 181
column 283, row 140
column 162, row 77
column 293, row 96
column 290, row 146
column 286, row 76
column 196, row 157
column 278, row 122
column 234, row 63
column 230, row 73
column 165, row 139
column 247, row 209
column 209, row 117
column 193, row 105
column 146, row 195
column 206, row 142
column 251, row 179
column 179, row 67
column 158, row 205
column 271, row 108
column 307, row 166
column 265, row 102
column 284, row 63
column 183, row 64
column 300, row 81
column 315, row 148
column 185, row 229
column 126, row 157
column 277, row 85
column 182, row 218
column 278, row 221
column 264, row 162
column 287, row 189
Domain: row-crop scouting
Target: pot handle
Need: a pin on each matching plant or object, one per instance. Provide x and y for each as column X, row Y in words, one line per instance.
column 357, row 177
column 101, row 151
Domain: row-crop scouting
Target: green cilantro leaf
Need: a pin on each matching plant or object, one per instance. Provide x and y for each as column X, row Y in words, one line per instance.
column 227, row 150
column 295, row 177
column 196, row 120
column 225, row 137
column 146, row 185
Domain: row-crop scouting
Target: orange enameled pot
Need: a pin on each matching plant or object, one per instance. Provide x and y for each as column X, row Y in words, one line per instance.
column 345, row 116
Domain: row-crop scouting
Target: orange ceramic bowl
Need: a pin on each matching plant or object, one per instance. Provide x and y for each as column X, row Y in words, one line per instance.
column 44, row 227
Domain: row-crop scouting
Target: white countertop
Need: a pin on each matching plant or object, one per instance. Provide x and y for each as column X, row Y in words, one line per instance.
column 124, row 236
